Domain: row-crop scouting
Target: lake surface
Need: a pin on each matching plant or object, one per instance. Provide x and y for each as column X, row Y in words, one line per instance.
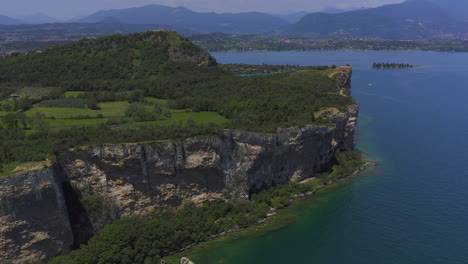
column 413, row 208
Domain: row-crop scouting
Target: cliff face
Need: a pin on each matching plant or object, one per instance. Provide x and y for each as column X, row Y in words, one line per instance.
column 34, row 221
column 141, row 178
column 44, row 213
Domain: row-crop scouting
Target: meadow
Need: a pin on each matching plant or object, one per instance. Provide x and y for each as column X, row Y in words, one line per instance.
column 65, row 117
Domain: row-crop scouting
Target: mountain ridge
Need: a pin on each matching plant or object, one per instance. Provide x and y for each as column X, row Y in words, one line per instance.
column 412, row 19
column 6, row 20
column 36, row 18
column 250, row 22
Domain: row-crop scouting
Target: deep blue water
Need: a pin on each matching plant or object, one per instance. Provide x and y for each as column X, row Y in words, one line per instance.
column 413, row 208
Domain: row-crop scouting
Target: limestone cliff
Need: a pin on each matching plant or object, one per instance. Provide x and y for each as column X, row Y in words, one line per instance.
column 34, row 221
column 140, row 178
column 46, row 212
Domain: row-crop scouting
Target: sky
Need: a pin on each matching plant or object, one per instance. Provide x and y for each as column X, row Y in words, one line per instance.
column 66, row 9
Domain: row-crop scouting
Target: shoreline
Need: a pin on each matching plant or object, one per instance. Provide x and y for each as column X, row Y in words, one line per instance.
column 331, row 49
column 273, row 221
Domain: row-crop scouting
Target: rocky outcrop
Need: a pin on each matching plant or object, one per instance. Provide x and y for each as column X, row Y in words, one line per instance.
column 186, row 261
column 199, row 57
column 46, row 212
column 34, row 221
column 141, row 178
column 342, row 75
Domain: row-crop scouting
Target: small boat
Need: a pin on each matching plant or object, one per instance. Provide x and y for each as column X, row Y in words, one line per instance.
column 370, row 84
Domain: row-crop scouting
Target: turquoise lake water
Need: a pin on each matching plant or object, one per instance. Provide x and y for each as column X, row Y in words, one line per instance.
column 413, row 208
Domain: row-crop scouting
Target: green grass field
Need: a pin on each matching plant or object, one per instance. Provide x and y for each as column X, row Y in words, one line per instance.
column 110, row 109
column 57, row 123
column 65, row 117
column 73, row 94
column 200, row 118
column 16, row 168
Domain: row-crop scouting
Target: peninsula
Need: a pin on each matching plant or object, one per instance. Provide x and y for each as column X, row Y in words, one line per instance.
column 127, row 149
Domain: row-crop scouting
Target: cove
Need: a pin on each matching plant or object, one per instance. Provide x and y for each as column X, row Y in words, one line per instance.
column 413, row 208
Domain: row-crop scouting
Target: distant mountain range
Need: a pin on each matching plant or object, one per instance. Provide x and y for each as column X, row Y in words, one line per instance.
column 292, row 18
column 245, row 23
column 5, row 20
column 37, row 18
column 412, row 19
column 332, row 10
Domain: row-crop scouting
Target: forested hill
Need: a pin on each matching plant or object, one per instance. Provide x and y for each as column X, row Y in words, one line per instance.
column 148, row 86
column 114, row 57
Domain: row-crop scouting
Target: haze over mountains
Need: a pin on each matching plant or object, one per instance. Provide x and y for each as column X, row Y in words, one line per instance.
column 37, row 18
column 412, row 19
column 5, row 20
column 252, row 22
column 457, row 9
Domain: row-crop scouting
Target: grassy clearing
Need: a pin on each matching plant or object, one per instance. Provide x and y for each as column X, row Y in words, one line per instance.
column 331, row 73
column 110, row 109
column 57, row 117
column 176, row 118
column 73, row 94
column 327, row 112
column 16, row 168
column 61, row 112
column 75, row 122
column 113, row 109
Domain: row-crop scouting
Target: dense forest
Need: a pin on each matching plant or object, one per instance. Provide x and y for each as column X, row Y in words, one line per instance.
column 118, row 82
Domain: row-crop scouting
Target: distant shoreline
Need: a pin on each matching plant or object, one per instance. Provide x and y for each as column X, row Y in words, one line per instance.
column 242, row 43
column 299, row 50
column 254, row 43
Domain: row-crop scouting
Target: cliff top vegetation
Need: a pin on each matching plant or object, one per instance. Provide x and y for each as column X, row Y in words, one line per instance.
column 148, row 86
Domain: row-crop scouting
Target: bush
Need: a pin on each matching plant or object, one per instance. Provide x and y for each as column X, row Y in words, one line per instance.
column 93, row 203
column 139, row 112
column 92, row 103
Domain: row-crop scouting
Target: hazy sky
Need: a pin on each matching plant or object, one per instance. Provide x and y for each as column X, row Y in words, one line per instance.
column 71, row 8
